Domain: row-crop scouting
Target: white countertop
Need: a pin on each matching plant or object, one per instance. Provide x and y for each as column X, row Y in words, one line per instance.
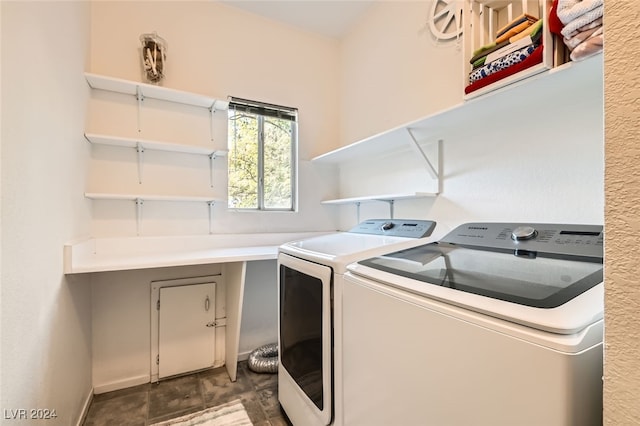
column 118, row 254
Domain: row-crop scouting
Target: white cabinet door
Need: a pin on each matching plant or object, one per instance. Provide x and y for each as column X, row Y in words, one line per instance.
column 186, row 332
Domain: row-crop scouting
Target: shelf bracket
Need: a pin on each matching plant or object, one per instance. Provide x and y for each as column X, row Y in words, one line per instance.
column 391, row 206
column 413, row 143
column 212, row 158
column 140, row 98
column 140, row 151
column 139, row 203
column 211, row 205
column 434, row 172
column 212, row 112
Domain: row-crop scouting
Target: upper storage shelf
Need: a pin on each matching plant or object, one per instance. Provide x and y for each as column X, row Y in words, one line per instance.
column 145, row 90
column 577, row 80
column 514, row 25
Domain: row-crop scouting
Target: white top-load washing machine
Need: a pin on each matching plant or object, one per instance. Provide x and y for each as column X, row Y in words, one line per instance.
column 310, row 280
column 495, row 324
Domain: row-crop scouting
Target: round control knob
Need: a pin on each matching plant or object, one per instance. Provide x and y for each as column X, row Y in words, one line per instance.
column 386, row 226
column 523, row 233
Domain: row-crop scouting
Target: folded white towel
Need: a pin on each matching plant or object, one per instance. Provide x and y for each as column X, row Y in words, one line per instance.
column 568, row 10
column 582, row 20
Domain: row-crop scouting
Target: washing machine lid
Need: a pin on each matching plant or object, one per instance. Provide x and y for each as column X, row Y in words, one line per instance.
column 369, row 238
column 539, row 282
column 552, row 266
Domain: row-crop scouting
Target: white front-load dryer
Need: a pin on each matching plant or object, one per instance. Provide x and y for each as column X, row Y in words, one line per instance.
column 310, row 275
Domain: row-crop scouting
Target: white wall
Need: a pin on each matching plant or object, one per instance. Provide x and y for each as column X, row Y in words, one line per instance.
column 219, row 51
column 393, row 71
column 622, row 289
column 260, row 317
column 121, row 319
column 122, row 326
column 46, row 317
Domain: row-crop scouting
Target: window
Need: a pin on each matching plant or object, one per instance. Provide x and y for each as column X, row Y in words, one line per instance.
column 262, row 155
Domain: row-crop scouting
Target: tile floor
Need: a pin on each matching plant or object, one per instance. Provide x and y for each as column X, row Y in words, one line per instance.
column 150, row 403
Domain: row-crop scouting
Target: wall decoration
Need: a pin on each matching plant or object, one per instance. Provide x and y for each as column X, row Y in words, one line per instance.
column 445, row 19
column 154, row 56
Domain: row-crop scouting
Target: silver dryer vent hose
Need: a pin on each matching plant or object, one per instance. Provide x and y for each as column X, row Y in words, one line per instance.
column 264, row 359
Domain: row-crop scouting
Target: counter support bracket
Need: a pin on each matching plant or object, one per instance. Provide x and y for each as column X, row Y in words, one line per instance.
column 139, row 204
column 211, row 204
column 140, row 151
column 212, row 157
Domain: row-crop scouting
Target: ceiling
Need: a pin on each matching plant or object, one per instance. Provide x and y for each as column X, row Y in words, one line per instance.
column 331, row 18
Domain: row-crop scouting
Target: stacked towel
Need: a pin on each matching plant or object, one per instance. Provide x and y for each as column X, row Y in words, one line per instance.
column 580, row 24
column 512, row 52
column 513, row 28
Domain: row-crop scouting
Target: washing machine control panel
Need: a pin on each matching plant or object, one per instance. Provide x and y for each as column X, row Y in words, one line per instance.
column 563, row 239
column 396, row 227
column 523, row 233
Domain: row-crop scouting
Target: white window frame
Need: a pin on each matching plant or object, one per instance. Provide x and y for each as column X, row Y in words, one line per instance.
column 262, row 110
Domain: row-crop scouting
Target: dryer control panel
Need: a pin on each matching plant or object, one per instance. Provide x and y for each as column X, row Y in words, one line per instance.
column 574, row 240
column 396, row 227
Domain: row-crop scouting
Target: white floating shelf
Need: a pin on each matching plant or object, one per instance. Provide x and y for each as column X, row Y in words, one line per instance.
column 151, row 145
column 128, row 87
column 385, row 197
column 381, row 143
column 574, row 80
column 148, row 197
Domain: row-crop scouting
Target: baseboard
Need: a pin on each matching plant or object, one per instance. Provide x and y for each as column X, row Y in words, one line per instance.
column 141, row 380
column 85, row 408
column 122, row 384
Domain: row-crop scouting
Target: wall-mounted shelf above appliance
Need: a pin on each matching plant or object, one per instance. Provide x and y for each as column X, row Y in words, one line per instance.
column 574, row 80
column 571, row 79
column 141, row 198
column 391, row 140
column 386, row 198
column 401, row 138
column 141, row 145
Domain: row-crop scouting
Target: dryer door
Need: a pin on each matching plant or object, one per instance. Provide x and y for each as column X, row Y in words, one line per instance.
column 305, row 340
